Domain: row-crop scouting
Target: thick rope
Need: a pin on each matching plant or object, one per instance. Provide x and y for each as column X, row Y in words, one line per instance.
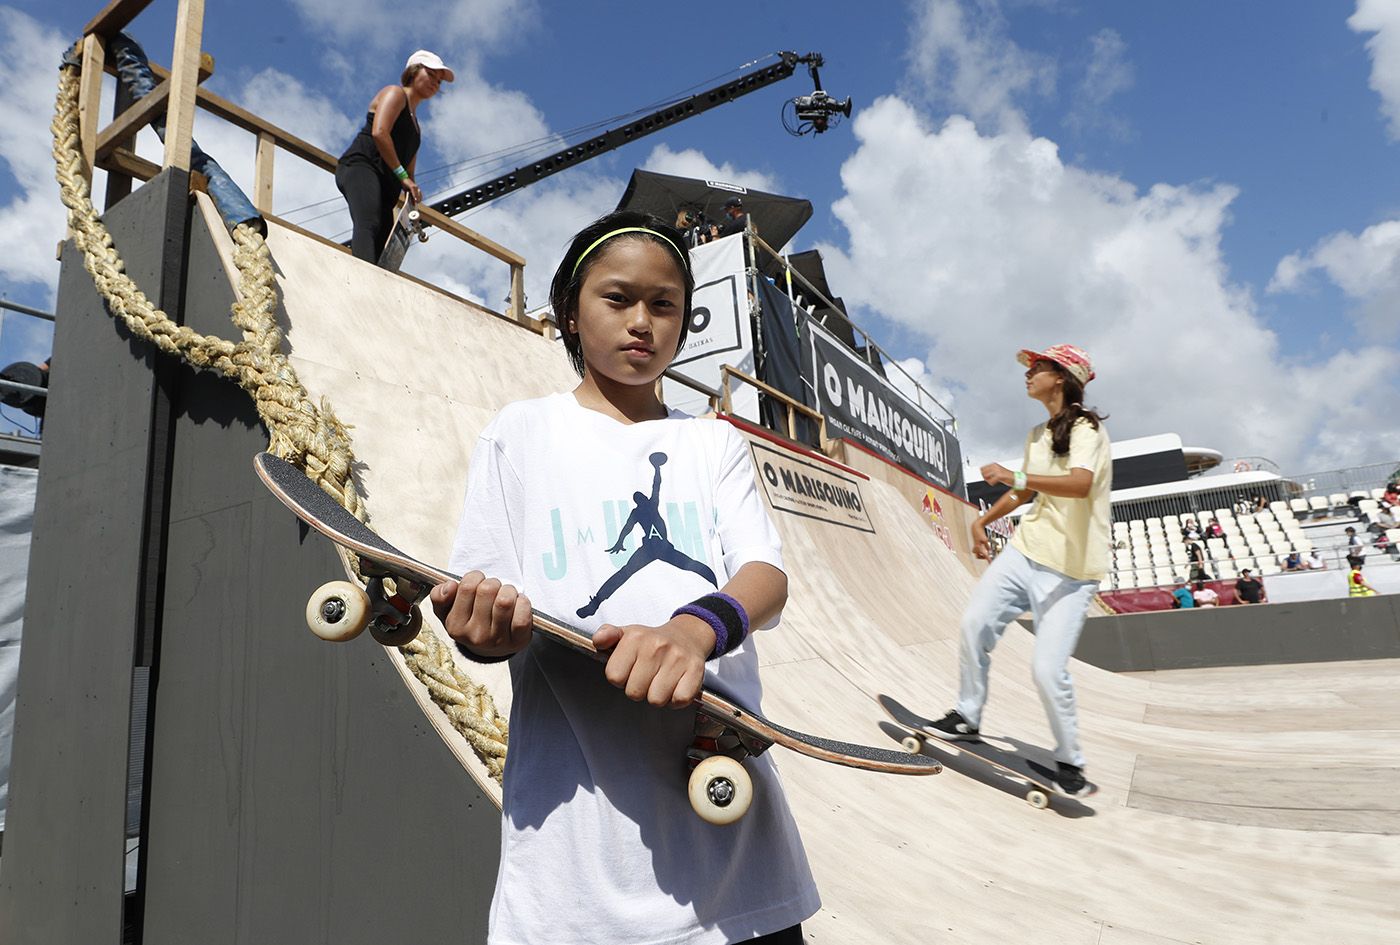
column 299, row 431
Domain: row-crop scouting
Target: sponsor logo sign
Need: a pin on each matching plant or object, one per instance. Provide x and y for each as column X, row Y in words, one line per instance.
column 720, row 330
column 934, row 510
column 812, row 490
column 862, row 406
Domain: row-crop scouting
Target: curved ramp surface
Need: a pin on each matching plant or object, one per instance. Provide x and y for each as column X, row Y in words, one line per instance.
column 1243, row 806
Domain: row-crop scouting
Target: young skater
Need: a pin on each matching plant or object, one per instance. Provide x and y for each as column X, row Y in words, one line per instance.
column 1055, row 561
column 643, row 526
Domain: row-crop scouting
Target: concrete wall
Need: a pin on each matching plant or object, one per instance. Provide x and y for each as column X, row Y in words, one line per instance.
column 286, row 781
column 1246, row 635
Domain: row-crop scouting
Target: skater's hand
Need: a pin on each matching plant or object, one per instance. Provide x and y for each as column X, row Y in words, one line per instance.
column 981, row 544
column 412, row 188
column 487, row 617
column 663, row 665
column 994, row 473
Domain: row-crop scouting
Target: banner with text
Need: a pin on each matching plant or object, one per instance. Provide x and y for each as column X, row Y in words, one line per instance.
column 721, row 331
column 862, row 406
column 810, row 489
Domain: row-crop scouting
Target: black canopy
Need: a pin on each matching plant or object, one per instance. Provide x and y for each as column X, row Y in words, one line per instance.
column 776, row 218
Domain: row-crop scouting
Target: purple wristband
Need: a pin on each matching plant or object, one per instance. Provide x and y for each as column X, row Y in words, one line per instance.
column 725, row 616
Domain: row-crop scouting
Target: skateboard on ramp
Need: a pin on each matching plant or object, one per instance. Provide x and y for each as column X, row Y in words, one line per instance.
column 720, row 788
column 407, row 225
column 1034, row 779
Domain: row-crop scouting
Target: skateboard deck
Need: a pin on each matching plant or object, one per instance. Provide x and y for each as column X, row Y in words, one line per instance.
column 1034, row 779
column 407, row 226
column 719, row 787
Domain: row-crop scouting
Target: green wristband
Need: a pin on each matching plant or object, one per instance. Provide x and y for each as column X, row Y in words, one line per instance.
column 1018, row 480
column 400, row 173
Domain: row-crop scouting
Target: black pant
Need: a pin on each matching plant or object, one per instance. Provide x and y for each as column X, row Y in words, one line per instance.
column 789, row 936
column 371, row 199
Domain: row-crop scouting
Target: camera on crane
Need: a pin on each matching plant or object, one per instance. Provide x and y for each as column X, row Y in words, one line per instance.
column 819, row 108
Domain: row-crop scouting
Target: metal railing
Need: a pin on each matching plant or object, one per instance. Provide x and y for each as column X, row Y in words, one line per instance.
column 180, row 93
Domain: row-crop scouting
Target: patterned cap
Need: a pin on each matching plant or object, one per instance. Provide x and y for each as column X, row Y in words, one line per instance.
column 1074, row 360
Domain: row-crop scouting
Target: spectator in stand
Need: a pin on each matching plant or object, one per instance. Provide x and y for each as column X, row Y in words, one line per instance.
column 1383, row 520
column 1181, row 596
column 1213, row 530
column 1294, row 562
column 1356, row 548
column 1356, row 584
column 1243, row 506
column 1391, row 496
column 1260, row 503
column 1205, row 595
column 1197, row 557
column 1315, row 562
column 1191, row 531
column 1249, row 589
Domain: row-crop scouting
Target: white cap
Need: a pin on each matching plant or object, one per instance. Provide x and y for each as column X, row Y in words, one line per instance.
column 431, row 60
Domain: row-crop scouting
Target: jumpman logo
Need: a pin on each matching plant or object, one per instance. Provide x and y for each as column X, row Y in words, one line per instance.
column 646, row 515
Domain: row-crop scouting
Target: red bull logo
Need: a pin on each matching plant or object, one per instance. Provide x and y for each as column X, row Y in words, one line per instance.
column 934, row 511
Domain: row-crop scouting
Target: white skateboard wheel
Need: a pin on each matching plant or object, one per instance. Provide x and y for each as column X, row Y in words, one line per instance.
column 1038, row 800
column 720, row 790
column 338, row 611
column 913, row 744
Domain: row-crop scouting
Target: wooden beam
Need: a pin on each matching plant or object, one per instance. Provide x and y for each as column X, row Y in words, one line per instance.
column 90, row 100
column 262, row 172
column 517, row 292
column 132, row 120
column 242, row 118
column 114, row 17
column 125, row 162
column 184, row 84
column 471, row 237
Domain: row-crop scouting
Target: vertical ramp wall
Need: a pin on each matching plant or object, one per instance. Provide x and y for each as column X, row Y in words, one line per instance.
column 289, row 782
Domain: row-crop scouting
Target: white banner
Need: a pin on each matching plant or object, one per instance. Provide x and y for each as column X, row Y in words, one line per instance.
column 721, row 331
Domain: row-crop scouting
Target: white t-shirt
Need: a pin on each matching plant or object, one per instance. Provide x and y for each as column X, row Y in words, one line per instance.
column 1206, row 597
column 598, row 840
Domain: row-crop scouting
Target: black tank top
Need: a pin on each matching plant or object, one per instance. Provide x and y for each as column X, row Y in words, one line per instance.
column 404, row 134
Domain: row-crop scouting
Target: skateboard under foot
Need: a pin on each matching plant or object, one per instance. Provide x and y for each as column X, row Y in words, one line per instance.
column 1034, row 779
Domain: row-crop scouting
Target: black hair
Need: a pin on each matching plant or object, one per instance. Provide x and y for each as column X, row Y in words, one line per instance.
column 1063, row 422
column 568, row 278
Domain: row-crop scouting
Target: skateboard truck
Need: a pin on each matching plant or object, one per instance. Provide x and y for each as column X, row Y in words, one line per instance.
column 341, row 610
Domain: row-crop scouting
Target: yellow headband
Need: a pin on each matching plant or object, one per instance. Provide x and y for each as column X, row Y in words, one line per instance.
column 627, row 229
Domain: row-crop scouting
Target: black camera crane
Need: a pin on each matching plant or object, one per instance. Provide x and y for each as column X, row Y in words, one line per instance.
column 815, row 109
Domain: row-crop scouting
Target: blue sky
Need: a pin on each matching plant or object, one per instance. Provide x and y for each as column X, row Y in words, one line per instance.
column 1202, row 194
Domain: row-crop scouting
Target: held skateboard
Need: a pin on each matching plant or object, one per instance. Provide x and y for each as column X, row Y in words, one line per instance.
column 720, row 788
column 1034, row 778
column 407, row 225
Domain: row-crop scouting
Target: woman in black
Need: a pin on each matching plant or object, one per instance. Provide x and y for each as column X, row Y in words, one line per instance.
column 379, row 162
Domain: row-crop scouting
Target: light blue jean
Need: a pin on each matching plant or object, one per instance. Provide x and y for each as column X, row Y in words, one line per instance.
column 1012, row 585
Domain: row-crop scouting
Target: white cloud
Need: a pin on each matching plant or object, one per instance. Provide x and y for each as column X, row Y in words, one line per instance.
column 690, row 162
column 439, row 25
column 1366, row 267
column 1382, row 19
column 32, row 222
column 1108, row 74
column 983, row 244
column 963, row 59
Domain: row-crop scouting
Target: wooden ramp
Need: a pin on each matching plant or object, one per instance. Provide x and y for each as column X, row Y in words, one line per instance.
column 1241, row 806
